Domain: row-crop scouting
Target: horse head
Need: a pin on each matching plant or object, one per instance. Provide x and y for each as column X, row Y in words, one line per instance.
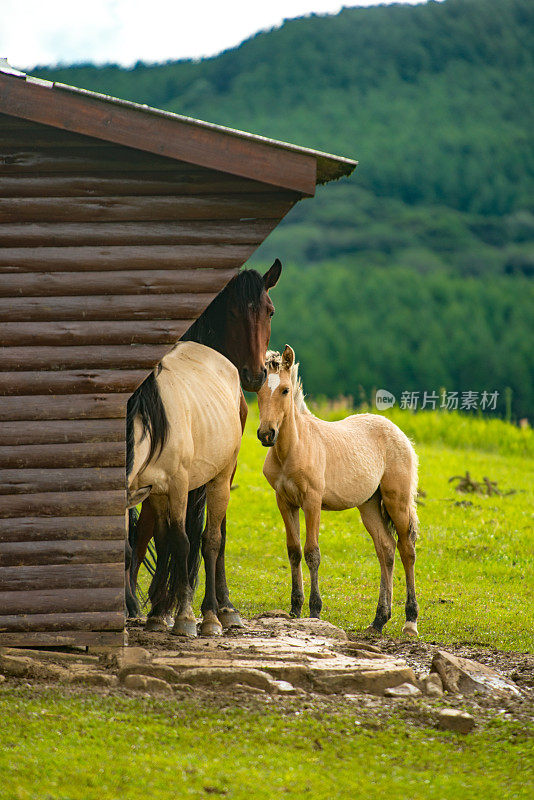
column 248, row 330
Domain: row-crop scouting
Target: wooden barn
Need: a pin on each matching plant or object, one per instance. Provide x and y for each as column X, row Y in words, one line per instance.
column 118, row 226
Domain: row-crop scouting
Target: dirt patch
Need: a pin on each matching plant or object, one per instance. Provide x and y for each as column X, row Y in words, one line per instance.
column 292, row 665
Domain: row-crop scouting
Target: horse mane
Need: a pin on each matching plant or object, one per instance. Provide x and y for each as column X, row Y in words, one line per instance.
column 243, row 292
column 273, row 362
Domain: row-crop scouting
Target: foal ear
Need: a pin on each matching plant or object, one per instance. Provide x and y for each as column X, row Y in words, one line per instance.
column 288, row 357
column 270, row 278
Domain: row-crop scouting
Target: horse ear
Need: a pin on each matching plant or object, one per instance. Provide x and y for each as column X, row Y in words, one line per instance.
column 288, row 357
column 270, row 278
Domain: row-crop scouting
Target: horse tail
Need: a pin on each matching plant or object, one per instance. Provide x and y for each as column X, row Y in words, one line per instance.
column 164, row 587
column 194, row 525
column 146, row 403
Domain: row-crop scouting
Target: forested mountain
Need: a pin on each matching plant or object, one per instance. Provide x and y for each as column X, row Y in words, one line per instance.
column 418, row 266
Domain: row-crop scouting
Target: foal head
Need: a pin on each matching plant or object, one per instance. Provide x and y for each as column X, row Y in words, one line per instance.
column 276, row 397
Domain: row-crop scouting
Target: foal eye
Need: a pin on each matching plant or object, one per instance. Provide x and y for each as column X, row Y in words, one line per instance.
column 285, row 391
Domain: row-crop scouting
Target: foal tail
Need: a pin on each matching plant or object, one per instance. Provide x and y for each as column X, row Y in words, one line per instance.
column 412, row 480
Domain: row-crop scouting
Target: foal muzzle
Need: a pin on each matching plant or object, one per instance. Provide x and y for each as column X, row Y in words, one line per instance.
column 268, row 437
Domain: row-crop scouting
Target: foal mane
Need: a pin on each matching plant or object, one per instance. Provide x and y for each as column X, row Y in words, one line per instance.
column 273, row 362
column 243, row 293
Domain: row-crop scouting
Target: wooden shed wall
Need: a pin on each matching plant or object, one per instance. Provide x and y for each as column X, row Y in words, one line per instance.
column 107, row 255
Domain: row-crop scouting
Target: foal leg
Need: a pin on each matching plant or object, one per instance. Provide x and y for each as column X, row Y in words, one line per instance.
column 290, row 515
column 217, row 499
column 404, row 518
column 312, row 554
column 384, row 543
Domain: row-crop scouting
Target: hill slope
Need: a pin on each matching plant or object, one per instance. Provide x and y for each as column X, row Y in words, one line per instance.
column 435, row 101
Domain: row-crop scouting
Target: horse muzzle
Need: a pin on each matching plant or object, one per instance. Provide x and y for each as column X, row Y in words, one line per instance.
column 267, row 438
column 252, row 382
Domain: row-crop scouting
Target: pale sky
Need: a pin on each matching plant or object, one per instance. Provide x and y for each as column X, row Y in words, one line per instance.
column 48, row 32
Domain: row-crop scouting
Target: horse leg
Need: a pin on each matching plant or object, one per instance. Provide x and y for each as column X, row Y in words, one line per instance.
column 144, row 531
column 157, row 589
column 405, row 520
column 132, row 606
column 179, row 591
column 228, row 613
column 312, row 554
column 290, row 515
column 217, row 499
column 384, row 543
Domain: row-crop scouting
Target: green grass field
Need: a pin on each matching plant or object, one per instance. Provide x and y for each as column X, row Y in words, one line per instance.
column 475, row 584
column 475, row 567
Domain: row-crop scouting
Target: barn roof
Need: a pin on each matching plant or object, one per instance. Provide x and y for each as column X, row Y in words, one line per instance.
column 164, row 133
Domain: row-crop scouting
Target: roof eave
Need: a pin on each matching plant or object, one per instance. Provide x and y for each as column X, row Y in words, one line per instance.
column 172, row 135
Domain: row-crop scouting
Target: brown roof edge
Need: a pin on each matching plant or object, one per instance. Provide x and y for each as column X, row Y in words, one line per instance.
column 165, row 133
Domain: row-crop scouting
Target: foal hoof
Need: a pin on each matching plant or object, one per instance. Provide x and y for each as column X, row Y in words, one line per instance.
column 229, row 618
column 410, row 629
column 155, row 624
column 372, row 633
column 210, row 625
column 184, row 627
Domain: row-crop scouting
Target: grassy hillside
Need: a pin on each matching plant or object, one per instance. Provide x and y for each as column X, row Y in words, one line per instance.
column 433, row 236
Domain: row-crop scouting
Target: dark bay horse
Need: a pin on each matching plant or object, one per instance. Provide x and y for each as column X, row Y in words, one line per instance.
column 238, row 325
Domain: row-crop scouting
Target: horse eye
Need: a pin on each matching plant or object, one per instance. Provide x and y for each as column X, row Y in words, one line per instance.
column 285, row 391
column 271, row 314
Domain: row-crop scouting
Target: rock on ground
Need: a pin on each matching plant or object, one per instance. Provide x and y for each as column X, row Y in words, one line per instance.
column 403, row 690
column 463, row 676
column 146, row 683
column 451, row 719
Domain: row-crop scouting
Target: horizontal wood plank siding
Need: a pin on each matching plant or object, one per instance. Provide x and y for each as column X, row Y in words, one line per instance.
column 107, row 255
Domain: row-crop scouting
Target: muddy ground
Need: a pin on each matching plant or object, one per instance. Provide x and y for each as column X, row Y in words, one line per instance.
column 283, row 664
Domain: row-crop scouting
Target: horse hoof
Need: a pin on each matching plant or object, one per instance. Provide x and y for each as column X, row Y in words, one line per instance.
column 410, row 629
column 184, row 627
column 155, row 624
column 210, row 625
column 230, row 619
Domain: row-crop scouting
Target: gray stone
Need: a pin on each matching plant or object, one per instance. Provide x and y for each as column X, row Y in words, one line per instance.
column 126, row 656
column 93, row 678
column 432, row 685
column 451, row 719
column 227, row 676
column 463, row 676
column 283, row 687
column 160, row 671
column 146, row 683
column 370, row 681
column 403, row 690
column 25, row 667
